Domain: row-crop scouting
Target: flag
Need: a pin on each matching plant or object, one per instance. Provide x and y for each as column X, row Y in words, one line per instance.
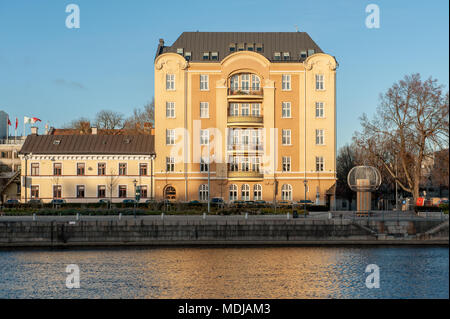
column 9, row 122
column 30, row 120
column 17, row 122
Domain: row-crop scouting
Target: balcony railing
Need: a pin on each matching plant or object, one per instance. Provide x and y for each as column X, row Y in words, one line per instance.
column 240, row 119
column 245, row 147
column 245, row 91
column 245, row 174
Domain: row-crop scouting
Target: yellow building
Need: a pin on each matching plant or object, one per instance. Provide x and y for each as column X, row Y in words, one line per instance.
column 260, row 107
column 87, row 168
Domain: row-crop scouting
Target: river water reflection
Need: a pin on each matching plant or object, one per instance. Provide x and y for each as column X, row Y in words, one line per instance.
column 251, row 272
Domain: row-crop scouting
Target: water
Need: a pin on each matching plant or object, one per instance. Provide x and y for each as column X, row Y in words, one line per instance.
column 256, row 272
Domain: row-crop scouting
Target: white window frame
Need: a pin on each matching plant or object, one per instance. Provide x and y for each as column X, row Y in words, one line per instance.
column 233, row 192
column 286, row 137
column 170, row 110
column 320, row 137
column 256, row 109
column 286, row 192
column 256, row 164
column 204, row 82
column 256, row 83
column 170, row 137
column 286, row 82
column 170, row 82
column 245, row 164
column 286, row 164
column 286, row 110
column 203, row 192
column 245, row 192
column 245, row 82
column 204, row 165
column 234, row 109
column 204, row 137
column 257, row 192
column 246, row 107
column 320, row 164
column 320, row 110
column 320, row 82
column 170, row 164
column 204, row 110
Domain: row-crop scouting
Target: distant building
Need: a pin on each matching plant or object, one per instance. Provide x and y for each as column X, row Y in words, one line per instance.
column 3, row 125
column 10, row 166
column 86, row 168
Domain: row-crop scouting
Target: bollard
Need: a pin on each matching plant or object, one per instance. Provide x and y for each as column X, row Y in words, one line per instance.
column 204, row 215
column 34, row 216
column 330, row 215
column 78, row 216
column 287, row 215
column 246, row 215
column 162, row 215
column 120, row 216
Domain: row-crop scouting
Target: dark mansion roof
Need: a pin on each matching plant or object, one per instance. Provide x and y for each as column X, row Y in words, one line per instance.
column 298, row 45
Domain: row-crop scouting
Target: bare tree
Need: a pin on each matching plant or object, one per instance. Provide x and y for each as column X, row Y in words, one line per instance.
column 109, row 120
column 410, row 124
column 345, row 161
column 82, row 124
column 142, row 119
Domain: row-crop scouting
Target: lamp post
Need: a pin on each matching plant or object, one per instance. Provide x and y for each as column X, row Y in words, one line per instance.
column 135, row 196
column 305, row 182
column 152, row 158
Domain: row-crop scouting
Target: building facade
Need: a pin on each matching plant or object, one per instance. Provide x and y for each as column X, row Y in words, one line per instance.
column 10, row 167
column 245, row 116
column 87, row 168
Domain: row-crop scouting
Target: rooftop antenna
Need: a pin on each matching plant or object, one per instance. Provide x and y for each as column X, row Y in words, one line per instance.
column 296, row 27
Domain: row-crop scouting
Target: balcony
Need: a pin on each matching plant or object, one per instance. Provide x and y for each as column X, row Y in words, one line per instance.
column 245, row 120
column 245, row 93
column 245, row 175
column 245, row 148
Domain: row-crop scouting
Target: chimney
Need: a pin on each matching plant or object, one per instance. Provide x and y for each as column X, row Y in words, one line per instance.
column 94, row 130
column 34, row 130
column 161, row 42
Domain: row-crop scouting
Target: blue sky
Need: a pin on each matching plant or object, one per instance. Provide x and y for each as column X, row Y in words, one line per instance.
column 59, row 74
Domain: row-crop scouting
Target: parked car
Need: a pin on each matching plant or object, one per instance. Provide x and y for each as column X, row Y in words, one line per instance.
column 57, row 201
column 104, row 201
column 238, row 203
column 284, row 203
column 35, row 202
column 303, row 202
column 260, row 203
column 128, row 201
column 11, row 202
column 217, row 200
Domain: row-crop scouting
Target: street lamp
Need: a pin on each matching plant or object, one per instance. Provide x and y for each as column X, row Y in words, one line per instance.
column 135, row 197
column 152, row 158
column 305, row 182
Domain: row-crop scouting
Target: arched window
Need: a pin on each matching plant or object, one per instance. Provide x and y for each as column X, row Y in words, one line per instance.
column 245, row 192
column 255, row 82
column 233, row 192
column 234, row 82
column 170, row 192
column 257, row 192
column 286, row 192
column 245, row 83
column 203, row 192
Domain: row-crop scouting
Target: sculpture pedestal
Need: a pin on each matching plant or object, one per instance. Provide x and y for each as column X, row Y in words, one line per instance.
column 363, row 199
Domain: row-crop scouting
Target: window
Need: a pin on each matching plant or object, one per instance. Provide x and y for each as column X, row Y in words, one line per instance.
column 286, row 163
column 170, row 164
column 203, row 192
column 286, row 137
column 277, row 56
column 256, row 138
column 122, row 191
column 245, row 192
column 310, row 52
column 245, row 165
column 286, row 82
column 319, row 82
column 81, row 169
column 204, row 137
column 255, row 83
column 286, row 192
column 286, row 110
column 241, row 46
column 204, row 82
column 250, row 47
column 245, row 109
column 319, row 137
column 256, row 109
column 235, row 137
column 203, row 165
column 34, row 169
column 205, row 55
column 259, row 47
column 180, row 51
column 245, row 82
column 232, row 47
column 34, row 191
column 234, row 164
column 256, row 166
column 233, row 192
column 215, row 56
column 170, row 137
column 57, row 169
column 286, row 56
column 122, row 169
column 57, row 191
column 245, row 137
column 143, row 169
column 188, row 56
column 101, row 169
column 101, row 191
column 257, row 192
column 303, row 55
column 170, row 82
column 144, row 191
column 170, row 110
column 80, row 191
column 319, row 110
column 234, row 83
column 234, row 109
column 319, row 164
column 204, row 109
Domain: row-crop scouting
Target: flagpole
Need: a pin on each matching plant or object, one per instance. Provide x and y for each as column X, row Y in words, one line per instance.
column 7, row 129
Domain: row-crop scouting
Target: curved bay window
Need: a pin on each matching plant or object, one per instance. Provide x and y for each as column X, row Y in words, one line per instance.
column 244, row 84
